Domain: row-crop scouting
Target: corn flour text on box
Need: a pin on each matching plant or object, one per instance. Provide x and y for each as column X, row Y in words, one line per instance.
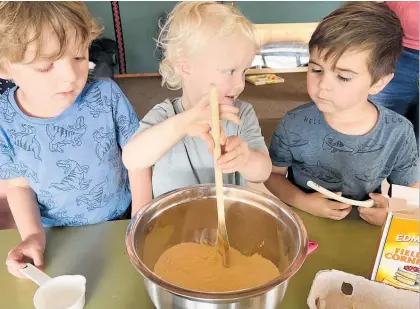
column 398, row 259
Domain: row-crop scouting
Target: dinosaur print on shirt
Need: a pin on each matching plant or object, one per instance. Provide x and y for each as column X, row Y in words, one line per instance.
column 75, row 176
column 61, row 136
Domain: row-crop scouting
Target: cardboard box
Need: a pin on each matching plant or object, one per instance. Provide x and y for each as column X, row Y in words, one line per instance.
column 398, row 259
column 359, row 293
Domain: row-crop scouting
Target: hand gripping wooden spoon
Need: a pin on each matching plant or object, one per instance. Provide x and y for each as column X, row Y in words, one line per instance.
column 222, row 237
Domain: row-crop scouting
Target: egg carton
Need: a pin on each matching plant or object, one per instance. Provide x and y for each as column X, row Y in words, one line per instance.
column 334, row 289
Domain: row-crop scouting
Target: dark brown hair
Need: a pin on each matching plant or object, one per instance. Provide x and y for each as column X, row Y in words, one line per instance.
column 361, row 26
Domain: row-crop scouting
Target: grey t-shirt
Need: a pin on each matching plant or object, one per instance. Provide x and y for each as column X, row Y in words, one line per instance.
column 189, row 162
column 353, row 165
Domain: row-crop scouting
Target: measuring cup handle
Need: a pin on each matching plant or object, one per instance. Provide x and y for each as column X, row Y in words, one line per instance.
column 36, row 275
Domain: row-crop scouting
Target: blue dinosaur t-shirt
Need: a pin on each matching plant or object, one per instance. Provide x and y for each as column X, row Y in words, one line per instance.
column 353, row 165
column 72, row 161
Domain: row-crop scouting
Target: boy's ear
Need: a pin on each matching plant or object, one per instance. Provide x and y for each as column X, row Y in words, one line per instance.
column 380, row 84
column 183, row 67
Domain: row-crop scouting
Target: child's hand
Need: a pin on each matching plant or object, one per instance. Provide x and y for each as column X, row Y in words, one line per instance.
column 31, row 249
column 199, row 120
column 377, row 214
column 319, row 205
column 236, row 155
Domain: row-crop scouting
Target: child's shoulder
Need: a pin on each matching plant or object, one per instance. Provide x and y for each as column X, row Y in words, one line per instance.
column 304, row 110
column 4, row 100
column 301, row 113
column 245, row 109
column 7, row 111
column 242, row 105
column 103, row 85
column 8, row 94
column 162, row 111
column 393, row 120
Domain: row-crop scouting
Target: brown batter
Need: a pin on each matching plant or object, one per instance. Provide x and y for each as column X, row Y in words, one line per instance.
column 199, row 267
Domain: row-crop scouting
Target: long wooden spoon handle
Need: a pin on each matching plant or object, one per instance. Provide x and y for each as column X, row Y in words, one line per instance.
column 222, row 239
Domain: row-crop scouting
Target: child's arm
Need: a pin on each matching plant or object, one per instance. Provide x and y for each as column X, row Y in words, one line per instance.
column 126, row 124
column 258, row 167
column 405, row 172
column 377, row 215
column 247, row 153
column 253, row 165
column 141, row 188
column 314, row 203
column 282, row 157
column 24, row 207
column 150, row 145
column 282, row 188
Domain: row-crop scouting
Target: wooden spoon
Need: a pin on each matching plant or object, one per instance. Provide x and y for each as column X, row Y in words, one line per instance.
column 222, row 237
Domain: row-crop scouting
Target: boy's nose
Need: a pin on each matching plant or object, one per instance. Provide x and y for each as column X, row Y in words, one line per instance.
column 67, row 72
column 240, row 83
column 324, row 83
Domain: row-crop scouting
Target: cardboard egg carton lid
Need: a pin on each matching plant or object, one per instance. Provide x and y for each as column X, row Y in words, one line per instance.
column 334, row 289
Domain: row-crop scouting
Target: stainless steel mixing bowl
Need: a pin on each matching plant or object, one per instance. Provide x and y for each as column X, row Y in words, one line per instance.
column 256, row 223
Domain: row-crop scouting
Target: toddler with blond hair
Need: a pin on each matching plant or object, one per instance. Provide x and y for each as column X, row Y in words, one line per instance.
column 204, row 43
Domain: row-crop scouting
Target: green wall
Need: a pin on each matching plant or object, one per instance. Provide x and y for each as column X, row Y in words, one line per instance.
column 271, row 12
column 102, row 10
column 140, row 28
column 140, row 22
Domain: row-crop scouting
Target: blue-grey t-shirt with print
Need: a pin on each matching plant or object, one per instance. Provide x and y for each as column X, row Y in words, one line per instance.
column 353, row 165
column 72, row 161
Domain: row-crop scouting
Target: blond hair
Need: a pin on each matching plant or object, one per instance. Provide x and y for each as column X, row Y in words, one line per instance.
column 361, row 26
column 188, row 28
column 25, row 22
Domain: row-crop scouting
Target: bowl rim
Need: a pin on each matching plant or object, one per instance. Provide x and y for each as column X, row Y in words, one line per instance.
column 294, row 266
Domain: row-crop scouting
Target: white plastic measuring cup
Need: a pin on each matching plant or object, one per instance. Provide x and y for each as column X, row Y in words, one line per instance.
column 62, row 292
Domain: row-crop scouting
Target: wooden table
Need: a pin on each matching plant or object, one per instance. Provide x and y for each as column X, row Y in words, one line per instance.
column 98, row 252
